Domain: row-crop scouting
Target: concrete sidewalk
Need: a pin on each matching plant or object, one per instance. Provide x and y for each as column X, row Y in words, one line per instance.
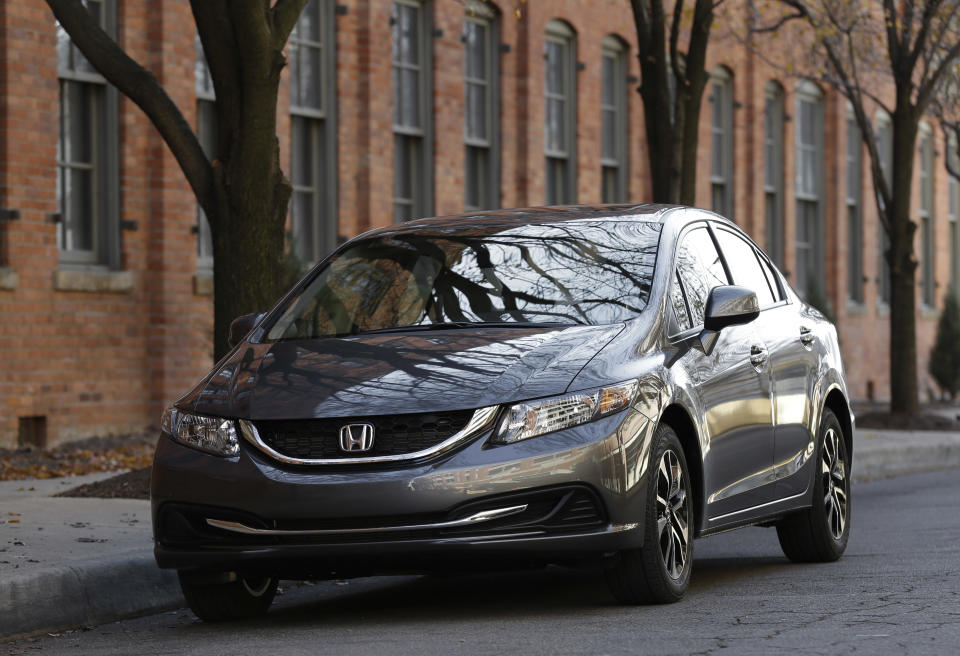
column 79, row 562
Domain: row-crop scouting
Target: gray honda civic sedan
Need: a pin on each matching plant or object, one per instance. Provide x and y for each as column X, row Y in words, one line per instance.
column 589, row 386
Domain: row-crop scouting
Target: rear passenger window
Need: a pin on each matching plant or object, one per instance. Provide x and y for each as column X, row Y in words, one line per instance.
column 700, row 269
column 745, row 267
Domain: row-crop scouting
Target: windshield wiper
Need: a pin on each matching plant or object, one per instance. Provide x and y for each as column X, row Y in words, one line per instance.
column 459, row 325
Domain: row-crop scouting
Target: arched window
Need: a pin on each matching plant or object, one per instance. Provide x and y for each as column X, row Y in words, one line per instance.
column 613, row 104
column 773, row 170
column 88, row 195
column 560, row 129
column 412, row 110
column 809, row 268
column 884, row 138
column 927, row 271
column 854, row 209
column 482, row 100
column 313, row 208
column 207, row 136
column 721, row 128
column 953, row 208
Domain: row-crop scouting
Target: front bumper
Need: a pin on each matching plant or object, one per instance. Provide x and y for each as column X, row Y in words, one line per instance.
column 580, row 490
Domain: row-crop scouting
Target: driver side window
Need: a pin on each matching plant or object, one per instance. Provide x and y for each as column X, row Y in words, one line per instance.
column 699, row 269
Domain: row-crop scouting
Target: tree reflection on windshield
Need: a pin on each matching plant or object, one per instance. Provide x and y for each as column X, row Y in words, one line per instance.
column 577, row 272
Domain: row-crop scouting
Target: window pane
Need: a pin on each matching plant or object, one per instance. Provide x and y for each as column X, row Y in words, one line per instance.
column 302, row 225
column 406, row 35
column 609, row 135
column 476, row 178
column 476, row 55
column 476, row 111
column 556, row 181
column 302, row 153
column 409, row 98
column 556, row 137
column 78, row 230
column 611, row 185
column 556, row 82
column 744, row 266
column 308, row 26
column 76, row 122
column 700, row 269
column 609, row 90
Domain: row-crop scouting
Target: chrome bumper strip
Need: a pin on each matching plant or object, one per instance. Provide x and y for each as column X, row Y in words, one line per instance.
column 481, row 420
column 476, row 518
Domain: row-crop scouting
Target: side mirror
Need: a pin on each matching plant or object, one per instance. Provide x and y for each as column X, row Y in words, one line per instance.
column 727, row 305
column 242, row 325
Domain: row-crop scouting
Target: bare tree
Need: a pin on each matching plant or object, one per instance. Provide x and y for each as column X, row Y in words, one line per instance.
column 243, row 190
column 671, row 89
column 909, row 47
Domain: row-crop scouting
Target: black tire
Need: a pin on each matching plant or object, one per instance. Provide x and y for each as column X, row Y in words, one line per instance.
column 659, row 571
column 242, row 598
column 819, row 534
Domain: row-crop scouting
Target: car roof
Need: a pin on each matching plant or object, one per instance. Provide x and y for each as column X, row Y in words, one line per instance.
column 494, row 220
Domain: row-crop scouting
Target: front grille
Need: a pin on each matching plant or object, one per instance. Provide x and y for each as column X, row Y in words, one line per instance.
column 394, row 435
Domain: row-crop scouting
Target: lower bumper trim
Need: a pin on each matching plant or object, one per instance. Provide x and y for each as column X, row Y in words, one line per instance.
column 476, row 518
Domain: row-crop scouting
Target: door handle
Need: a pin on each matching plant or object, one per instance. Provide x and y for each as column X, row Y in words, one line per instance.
column 758, row 356
column 806, row 336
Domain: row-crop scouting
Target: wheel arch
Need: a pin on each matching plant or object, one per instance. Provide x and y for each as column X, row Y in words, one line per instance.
column 677, row 417
column 838, row 404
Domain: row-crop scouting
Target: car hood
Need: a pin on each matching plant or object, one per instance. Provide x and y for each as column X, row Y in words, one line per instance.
column 397, row 373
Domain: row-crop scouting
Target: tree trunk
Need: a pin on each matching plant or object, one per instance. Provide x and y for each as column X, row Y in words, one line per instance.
column 903, row 264
column 662, row 153
column 246, row 259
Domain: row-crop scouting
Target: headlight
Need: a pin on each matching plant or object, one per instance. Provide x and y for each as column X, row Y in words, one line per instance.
column 214, row 435
column 532, row 418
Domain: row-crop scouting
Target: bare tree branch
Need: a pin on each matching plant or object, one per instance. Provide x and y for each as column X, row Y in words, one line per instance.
column 285, row 15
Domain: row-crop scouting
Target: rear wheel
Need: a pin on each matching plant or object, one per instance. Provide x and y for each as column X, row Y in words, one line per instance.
column 820, row 533
column 243, row 597
column 659, row 571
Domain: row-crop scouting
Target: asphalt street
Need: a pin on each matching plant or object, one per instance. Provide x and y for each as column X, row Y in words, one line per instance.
column 896, row 591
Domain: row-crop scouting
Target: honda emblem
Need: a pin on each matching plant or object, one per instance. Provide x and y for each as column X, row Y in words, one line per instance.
column 355, row 438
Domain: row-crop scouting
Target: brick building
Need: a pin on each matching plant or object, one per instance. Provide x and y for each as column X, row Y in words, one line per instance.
column 390, row 110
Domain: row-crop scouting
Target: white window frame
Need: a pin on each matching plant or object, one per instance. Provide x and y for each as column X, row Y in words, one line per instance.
column 809, row 194
column 104, row 164
column 721, row 131
column 773, row 170
column 483, row 150
column 562, row 161
column 413, row 144
column 884, row 139
column 927, row 233
column 614, row 161
column 315, row 235
column 953, row 208
column 854, row 204
column 206, row 122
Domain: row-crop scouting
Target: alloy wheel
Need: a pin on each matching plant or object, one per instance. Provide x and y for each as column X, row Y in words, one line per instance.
column 673, row 514
column 833, row 473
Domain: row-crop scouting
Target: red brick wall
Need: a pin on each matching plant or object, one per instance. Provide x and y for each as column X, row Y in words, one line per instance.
column 96, row 363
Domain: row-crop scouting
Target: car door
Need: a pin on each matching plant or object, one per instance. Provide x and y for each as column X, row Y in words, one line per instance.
column 790, row 359
column 733, row 384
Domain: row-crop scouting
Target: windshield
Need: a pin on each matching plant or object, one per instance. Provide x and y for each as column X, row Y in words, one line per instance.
column 577, row 272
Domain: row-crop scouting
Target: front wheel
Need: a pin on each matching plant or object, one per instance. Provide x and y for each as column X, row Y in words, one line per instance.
column 243, row 597
column 819, row 534
column 659, row 571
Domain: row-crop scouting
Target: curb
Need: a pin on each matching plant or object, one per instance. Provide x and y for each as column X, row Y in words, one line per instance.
column 85, row 594
column 903, row 459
